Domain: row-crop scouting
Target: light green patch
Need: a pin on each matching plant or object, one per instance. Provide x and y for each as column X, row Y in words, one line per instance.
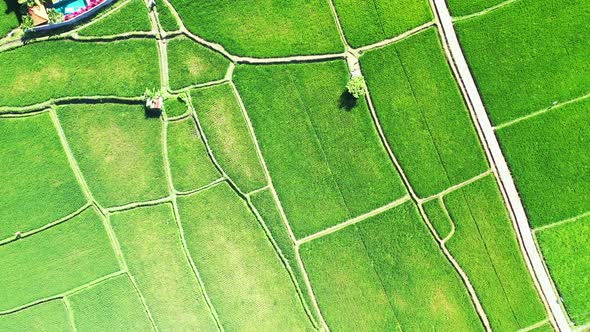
column 242, row 273
column 54, row 261
column 118, row 149
column 387, row 273
column 438, row 217
column 190, row 63
column 486, row 247
column 45, row 317
column 263, row 28
column 228, row 135
column 55, row 69
column 131, row 17
column 423, row 114
column 566, row 249
column 37, row 184
column 322, row 150
column 113, row 305
column 189, row 162
column 150, row 242
column 175, row 106
column 366, row 22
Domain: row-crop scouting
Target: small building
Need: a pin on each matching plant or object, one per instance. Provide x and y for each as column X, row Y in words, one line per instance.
column 156, row 104
column 39, row 15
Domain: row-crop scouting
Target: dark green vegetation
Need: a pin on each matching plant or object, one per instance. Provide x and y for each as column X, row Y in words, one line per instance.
column 462, row 7
column 8, row 16
column 526, row 55
column 322, row 151
column 175, row 106
column 548, row 156
column 366, row 22
column 228, row 135
column 165, row 17
column 486, row 247
column 37, row 184
column 131, row 17
column 113, row 305
column 47, row 317
column 439, row 218
column 263, row 28
column 189, row 162
column 264, row 203
column 567, row 254
column 358, row 273
column 231, row 251
column 54, row 261
column 165, row 279
column 54, row 69
column 191, row 63
column 118, row 150
column 423, row 114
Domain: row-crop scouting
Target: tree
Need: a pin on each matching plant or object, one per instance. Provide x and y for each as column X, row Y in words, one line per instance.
column 356, row 86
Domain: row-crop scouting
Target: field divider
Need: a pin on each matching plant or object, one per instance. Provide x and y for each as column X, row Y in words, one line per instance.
column 534, row 326
column 559, row 223
column 112, row 38
column 354, row 220
column 133, row 205
column 23, row 235
column 483, row 12
column 392, row 40
column 64, row 294
column 463, row 75
column 197, row 86
column 175, row 210
column 256, row 191
column 284, row 219
column 543, row 111
column 200, row 189
column 457, row 186
column 70, row 313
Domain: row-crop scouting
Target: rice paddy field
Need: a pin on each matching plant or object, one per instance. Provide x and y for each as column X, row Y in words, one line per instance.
column 264, row 196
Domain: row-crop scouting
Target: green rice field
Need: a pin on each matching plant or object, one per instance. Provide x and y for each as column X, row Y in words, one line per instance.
column 308, row 165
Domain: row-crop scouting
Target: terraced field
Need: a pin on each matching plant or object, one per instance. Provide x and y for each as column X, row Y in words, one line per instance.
column 265, row 197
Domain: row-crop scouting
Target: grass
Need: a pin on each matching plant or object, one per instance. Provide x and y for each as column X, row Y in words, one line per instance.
column 423, row 114
column 190, row 63
column 123, row 68
column 54, row 261
column 231, row 252
column 131, row 17
column 462, row 8
column 264, row 203
column 438, row 217
column 548, row 157
column 113, row 305
column 228, row 135
column 486, row 247
column 8, row 16
column 165, row 279
column 175, row 106
column 38, row 185
column 367, row 22
column 47, row 317
column 165, row 16
column 189, row 162
column 527, row 55
column 387, row 273
column 118, row 149
column 322, row 150
column 263, row 28
column 567, row 254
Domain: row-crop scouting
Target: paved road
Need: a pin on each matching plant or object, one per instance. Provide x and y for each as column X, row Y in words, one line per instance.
column 501, row 166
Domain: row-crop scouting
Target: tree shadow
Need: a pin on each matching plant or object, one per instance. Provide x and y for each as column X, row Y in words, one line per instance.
column 347, row 101
column 13, row 7
column 151, row 113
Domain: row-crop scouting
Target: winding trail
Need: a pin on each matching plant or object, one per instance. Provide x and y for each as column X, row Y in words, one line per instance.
column 498, row 162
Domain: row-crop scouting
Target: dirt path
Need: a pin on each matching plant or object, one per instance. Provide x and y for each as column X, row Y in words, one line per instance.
column 499, row 163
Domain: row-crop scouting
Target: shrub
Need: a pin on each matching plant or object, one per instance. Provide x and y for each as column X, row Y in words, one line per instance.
column 27, row 23
column 54, row 16
column 356, row 86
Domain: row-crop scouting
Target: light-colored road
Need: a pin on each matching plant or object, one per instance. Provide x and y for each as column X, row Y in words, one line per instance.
column 499, row 162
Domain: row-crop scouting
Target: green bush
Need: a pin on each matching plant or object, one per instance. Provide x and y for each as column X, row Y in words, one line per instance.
column 356, row 86
column 27, row 23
